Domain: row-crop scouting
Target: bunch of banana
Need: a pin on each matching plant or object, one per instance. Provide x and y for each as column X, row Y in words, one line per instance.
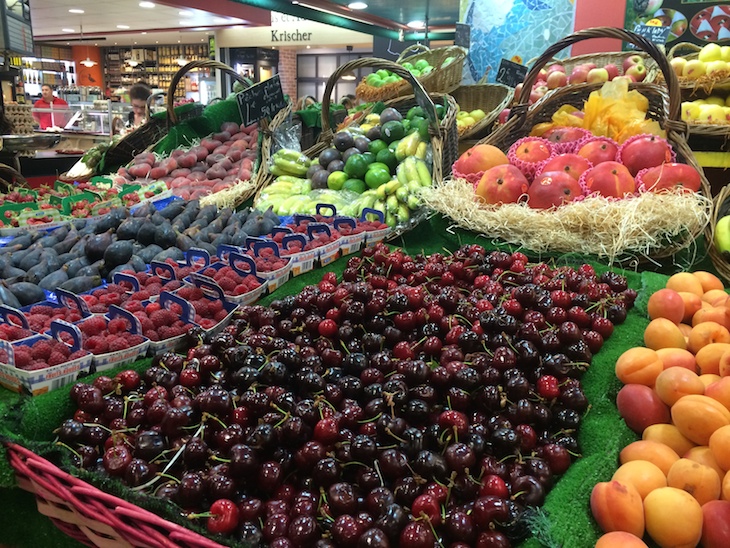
column 283, row 188
column 414, row 169
column 289, row 162
column 410, row 145
column 397, row 200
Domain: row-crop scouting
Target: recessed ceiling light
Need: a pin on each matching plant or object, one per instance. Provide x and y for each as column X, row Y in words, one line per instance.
column 308, row 47
column 122, row 26
column 416, row 24
column 75, row 10
column 68, row 30
column 147, row 5
column 295, row 2
column 357, row 5
column 145, row 32
column 184, row 13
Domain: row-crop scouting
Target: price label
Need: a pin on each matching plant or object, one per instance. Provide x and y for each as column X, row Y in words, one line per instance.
column 510, row 73
column 462, row 36
column 262, row 100
column 658, row 35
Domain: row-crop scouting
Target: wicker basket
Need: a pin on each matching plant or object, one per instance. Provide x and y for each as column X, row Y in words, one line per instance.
column 704, row 83
column 719, row 262
column 663, row 108
column 607, row 58
column 491, row 98
column 91, row 516
column 439, row 80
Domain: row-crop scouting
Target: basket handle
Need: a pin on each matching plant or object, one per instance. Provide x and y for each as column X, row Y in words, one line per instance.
column 422, row 97
column 200, row 64
column 683, row 45
column 150, row 100
column 413, row 49
column 608, row 32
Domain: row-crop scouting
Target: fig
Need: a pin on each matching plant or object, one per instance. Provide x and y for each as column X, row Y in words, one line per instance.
column 137, row 263
column 96, row 245
column 81, row 284
column 12, row 272
column 27, row 293
column 146, row 233
column 390, row 114
column 171, row 253
column 149, row 252
column 129, row 228
column 173, row 209
column 8, row 298
column 54, row 279
column 118, row 253
column 77, row 264
column 30, row 260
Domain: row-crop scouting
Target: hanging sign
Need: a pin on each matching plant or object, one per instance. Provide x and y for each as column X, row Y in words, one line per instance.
column 260, row 101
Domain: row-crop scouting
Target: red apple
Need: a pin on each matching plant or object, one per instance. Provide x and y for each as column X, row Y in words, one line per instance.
column 599, row 150
column 552, row 189
column 716, row 524
column 556, row 79
column 538, row 92
column 531, row 150
column 669, row 176
column 572, row 164
column 610, row 179
column 597, row 76
column 503, row 116
column 518, row 90
column 644, row 151
column 589, row 66
column 632, row 60
column 542, row 75
column 556, row 67
column 637, row 71
column 502, row 185
column 612, row 71
column 578, row 75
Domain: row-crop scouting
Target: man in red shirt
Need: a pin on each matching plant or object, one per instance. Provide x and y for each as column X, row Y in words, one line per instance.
column 48, row 101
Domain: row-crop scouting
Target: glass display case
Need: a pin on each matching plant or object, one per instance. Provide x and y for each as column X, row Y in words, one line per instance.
column 96, row 118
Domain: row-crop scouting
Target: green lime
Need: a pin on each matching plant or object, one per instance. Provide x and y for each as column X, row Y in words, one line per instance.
column 355, row 185
column 440, row 111
column 386, row 157
column 422, row 128
column 369, row 157
column 356, row 166
column 392, row 146
column 377, row 145
column 392, row 131
column 336, row 180
column 377, row 175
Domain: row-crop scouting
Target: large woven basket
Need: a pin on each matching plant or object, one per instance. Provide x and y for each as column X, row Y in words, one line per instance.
column 664, row 107
column 491, row 98
column 609, row 58
column 439, row 80
column 91, row 516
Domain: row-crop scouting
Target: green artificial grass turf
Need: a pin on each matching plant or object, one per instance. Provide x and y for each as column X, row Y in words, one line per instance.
column 564, row 520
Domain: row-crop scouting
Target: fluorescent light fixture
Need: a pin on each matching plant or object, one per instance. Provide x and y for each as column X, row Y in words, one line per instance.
column 122, row 26
column 148, row 5
column 416, row 25
column 132, row 62
column 220, row 20
column 357, row 5
column 76, row 10
column 323, row 10
column 68, row 30
column 184, row 13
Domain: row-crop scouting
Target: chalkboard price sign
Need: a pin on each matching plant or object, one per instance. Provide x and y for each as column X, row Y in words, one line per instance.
column 658, row 35
column 462, row 36
column 262, row 100
column 510, row 73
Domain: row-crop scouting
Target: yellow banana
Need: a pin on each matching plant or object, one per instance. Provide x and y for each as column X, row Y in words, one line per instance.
column 391, row 204
column 402, row 194
column 421, row 150
column 412, row 169
column 403, row 214
column 400, row 172
column 392, row 186
column 413, row 186
column 379, row 205
column 424, row 175
column 413, row 202
column 380, row 192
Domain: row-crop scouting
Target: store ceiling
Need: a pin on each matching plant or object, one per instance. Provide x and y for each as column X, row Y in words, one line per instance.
column 190, row 21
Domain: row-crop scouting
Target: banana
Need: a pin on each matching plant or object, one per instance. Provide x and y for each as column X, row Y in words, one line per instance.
column 407, row 146
column 424, row 175
column 288, row 179
column 421, row 150
column 413, row 202
column 390, row 220
column 403, row 214
column 291, row 204
column 379, row 205
column 380, row 192
column 391, row 204
column 402, row 194
column 392, row 186
column 400, row 172
column 365, row 201
column 412, row 168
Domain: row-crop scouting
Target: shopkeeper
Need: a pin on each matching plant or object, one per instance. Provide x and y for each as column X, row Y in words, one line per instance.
column 49, row 101
column 138, row 95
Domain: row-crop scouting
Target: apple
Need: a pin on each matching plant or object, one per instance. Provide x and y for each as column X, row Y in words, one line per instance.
column 503, row 116
column 669, row 176
column 715, row 524
column 478, row 114
column 538, row 92
column 711, row 114
column 725, row 53
column 556, row 67
column 572, row 164
column 557, row 79
column 637, row 71
column 504, row 184
column 589, row 66
column 628, row 78
column 710, row 52
column 632, row 60
column 542, row 75
column 693, row 69
column 715, row 100
column 599, row 150
column 715, row 68
column 612, row 71
column 552, row 189
column 690, row 111
column 578, row 75
column 597, row 76
column 644, row 151
column 610, row 179
column 678, row 64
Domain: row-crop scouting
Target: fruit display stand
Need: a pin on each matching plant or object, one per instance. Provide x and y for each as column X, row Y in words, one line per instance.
column 705, row 82
column 606, row 243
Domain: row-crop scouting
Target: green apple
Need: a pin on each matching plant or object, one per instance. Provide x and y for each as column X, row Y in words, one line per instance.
column 383, row 73
column 426, row 70
column 407, row 65
column 421, row 64
column 461, row 114
column 447, row 62
column 391, row 79
column 477, row 114
column 416, row 72
column 371, row 79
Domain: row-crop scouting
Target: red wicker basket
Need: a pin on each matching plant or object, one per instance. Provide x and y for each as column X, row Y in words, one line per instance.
column 91, row 516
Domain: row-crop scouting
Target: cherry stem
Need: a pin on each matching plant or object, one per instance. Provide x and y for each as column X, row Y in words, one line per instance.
column 61, row 444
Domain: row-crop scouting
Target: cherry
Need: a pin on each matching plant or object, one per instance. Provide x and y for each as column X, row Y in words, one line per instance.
column 428, row 507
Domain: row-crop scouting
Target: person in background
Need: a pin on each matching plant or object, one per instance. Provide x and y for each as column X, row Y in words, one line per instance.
column 49, row 101
column 138, row 95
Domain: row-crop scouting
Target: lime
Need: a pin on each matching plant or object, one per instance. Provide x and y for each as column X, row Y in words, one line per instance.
column 392, row 146
column 440, row 111
column 356, row 166
column 355, row 185
column 392, row 131
column 386, row 157
column 336, row 180
column 377, row 175
column 377, row 145
column 422, row 128
column 369, row 157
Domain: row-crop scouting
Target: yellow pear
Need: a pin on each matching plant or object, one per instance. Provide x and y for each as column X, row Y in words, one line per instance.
column 710, row 52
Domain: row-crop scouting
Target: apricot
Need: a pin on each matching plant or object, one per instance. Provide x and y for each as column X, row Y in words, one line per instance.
column 700, row 481
column 617, row 507
column 663, row 333
column 709, row 378
column 715, row 524
column 677, row 357
column 666, row 303
column 706, row 333
column 669, row 436
column 719, row 390
column 698, row 416
column 675, row 382
column 708, row 280
column 639, row 365
column 673, row 518
column 685, row 281
column 708, row 357
column 684, row 329
column 692, row 303
column 711, row 313
column 703, row 455
column 640, row 406
column 620, row 539
column 720, row 447
column 725, row 495
column 642, row 475
column 657, row 453
column 716, row 297
column 723, row 366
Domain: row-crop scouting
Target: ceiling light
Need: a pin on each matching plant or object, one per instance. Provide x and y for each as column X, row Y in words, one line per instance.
column 122, row 26
column 132, row 62
column 68, row 30
column 309, row 47
column 147, row 5
column 76, row 10
column 357, row 5
column 145, row 32
column 416, row 24
column 348, row 76
column 184, row 13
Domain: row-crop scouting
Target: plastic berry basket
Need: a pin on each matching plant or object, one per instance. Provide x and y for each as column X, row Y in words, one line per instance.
column 187, row 315
column 108, row 360
column 213, row 291
column 63, row 299
column 372, row 237
column 164, row 271
column 327, row 253
column 301, row 261
column 89, row 515
column 274, row 278
column 350, row 241
column 14, row 317
column 243, row 265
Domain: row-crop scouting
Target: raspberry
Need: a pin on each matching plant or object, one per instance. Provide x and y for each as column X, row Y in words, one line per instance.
column 134, row 306
column 147, row 325
column 64, row 349
column 78, row 354
column 154, row 289
column 152, row 335
column 211, row 272
column 93, row 326
column 227, row 285
column 96, row 345
column 56, row 358
column 111, row 298
column 152, row 307
column 117, row 344
column 41, row 309
column 41, row 350
column 163, row 317
column 201, row 307
column 176, row 309
column 164, row 332
column 173, row 285
column 99, row 309
column 74, row 316
column 90, row 299
column 116, row 288
column 241, row 289
column 36, row 365
column 206, row 323
column 142, row 295
column 152, row 280
column 220, row 315
column 215, row 306
column 117, row 325
column 133, row 340
column 23, row 356
column 142, row 277
column 37, row 322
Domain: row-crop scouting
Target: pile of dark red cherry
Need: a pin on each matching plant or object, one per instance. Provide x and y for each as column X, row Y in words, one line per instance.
column 423, row 400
